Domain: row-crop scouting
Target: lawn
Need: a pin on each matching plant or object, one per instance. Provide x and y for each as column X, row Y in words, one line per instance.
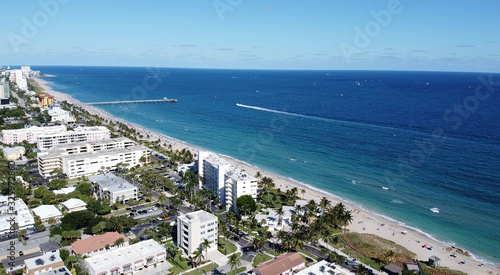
column 203, row 270
column 239, row 270
column 180, row 265
column 260, row 258
column 306, row 258
column 222, row 246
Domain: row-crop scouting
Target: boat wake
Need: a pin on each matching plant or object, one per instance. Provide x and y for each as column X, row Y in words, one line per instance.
column 318, row 118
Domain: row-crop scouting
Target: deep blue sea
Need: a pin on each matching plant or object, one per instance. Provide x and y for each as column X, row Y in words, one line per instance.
column 432, row 138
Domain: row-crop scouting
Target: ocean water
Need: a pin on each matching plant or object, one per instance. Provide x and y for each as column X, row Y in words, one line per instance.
column 431, row 138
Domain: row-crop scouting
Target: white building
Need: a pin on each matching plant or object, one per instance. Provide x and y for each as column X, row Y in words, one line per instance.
column 13, row 153
column 80, row 134
column 195, row 227
column 45, row 212
column 58, row 114
column 109, row 186
column 43, row 263
column 228, row 182
column 324, row 267
column 128, row 259
column 73, row 205
column 9, row 206
column 20, row 80
column 4, row 89
column 87, row 158
column 29, row 134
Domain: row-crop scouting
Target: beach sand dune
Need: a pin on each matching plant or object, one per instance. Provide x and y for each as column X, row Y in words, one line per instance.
column 363, row 222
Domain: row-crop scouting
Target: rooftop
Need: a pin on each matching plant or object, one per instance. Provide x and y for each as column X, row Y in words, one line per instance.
column 96, row 242
column 125, row 255
column 49, row 246
column 42, row 260
column 111, row 182
column 90, row 143
column 46, row 211
column 324, row 268
column 74, row 203
column 280, row 264
column 199, row 215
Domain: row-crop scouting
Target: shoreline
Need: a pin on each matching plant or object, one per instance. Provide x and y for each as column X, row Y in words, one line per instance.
column 364, row 220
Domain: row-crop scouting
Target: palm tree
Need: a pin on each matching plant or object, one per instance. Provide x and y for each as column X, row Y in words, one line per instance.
column 346, row 219
column 389, row 256
column 234, row 261
column 298, row 209
column 280, row 213
column 205, row 245
column 198, row 256
column 324, row 203
column 257, row 243
column 303, row 192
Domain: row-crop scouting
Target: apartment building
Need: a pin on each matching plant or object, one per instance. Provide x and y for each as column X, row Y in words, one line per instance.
column 29, row 134
column 98, row 244
column 17, row 213
column 43, row 263
column 228, row 182
column 87, row 158
column 80, row 134
column 125, row 260
column 109, row 186
column 193, row 228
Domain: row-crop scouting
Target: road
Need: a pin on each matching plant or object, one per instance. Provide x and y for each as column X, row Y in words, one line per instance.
column 34, row 241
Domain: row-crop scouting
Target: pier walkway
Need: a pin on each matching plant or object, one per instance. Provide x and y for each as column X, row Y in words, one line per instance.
column 164, row 100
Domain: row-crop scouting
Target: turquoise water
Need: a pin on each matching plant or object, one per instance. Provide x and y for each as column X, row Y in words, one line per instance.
column 345, row 132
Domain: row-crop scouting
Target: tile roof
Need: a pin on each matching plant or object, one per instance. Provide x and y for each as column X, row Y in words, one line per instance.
column 96, row 242
column 279, row 265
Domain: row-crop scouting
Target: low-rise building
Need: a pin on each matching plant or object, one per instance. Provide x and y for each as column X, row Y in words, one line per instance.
column 193, row 228
column 109, row 186
column 29, row 134
column 45, row 212
column 324, row 267
column 98, row 244
column 43, row 263
column 18, row 263
column 127, row 259
column 58, row 114
column 284, row 264
column 13, row 153
column 80, row 134
column 45, row 100
column 73, row 205
column 49, row 247
column 14, row 211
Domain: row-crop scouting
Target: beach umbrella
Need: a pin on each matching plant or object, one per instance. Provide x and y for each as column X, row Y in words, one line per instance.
column 465, row 261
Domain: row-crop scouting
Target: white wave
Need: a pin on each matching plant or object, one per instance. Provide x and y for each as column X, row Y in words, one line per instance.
column 318, row 118
column 397, row 201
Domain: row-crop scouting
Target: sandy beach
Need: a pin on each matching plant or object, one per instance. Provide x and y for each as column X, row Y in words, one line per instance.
column 364, row 221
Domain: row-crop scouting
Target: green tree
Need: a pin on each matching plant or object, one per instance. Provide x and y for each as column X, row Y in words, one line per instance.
column 234, row 261
column 246, row 204
column 57, row 184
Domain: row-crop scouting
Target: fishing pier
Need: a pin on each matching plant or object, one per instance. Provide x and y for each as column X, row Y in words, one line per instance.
column 164, row 100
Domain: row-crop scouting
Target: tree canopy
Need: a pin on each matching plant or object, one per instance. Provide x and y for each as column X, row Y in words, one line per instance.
column 246, row 204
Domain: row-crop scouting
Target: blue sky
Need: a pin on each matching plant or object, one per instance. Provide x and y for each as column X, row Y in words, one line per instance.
column 448, row 35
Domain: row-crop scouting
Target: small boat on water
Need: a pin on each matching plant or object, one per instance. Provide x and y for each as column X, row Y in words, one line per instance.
column 435, row 210
column 385, row 188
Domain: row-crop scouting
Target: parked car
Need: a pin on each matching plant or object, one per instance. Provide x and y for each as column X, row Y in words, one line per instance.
column 21, row 253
